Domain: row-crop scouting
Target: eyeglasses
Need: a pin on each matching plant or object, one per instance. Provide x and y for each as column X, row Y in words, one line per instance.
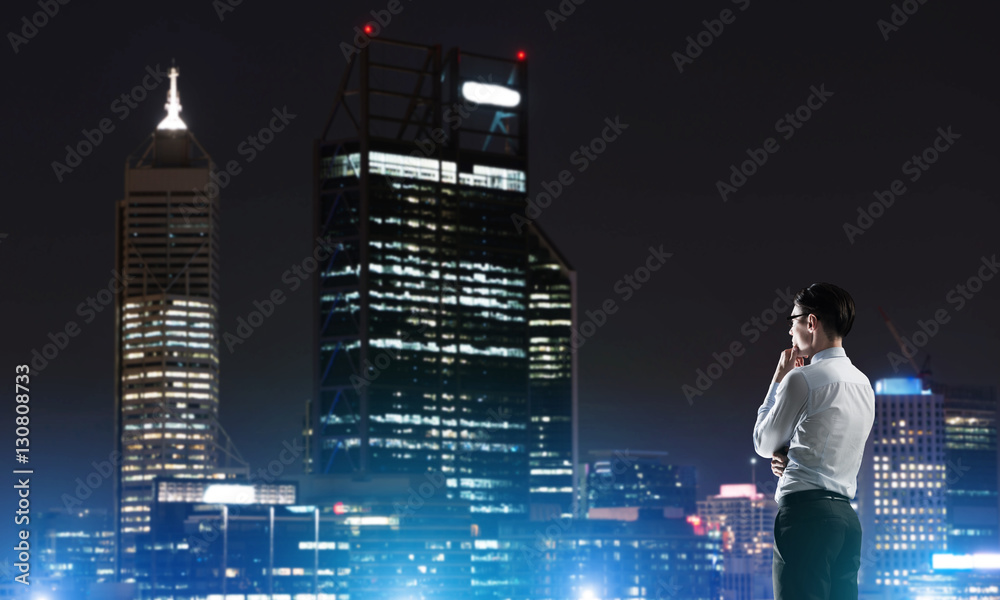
column 797, row 316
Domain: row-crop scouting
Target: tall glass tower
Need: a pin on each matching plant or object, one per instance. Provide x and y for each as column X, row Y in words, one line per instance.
column 166, row 323
column 428, row 322
column 970, row 428
column 553, row 441
column 902, row 485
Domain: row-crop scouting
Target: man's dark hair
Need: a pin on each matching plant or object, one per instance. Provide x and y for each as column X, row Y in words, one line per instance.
column 832, row 305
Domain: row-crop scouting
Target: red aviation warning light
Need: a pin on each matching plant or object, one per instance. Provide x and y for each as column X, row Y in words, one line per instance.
column 368, row 29
column 521, row 55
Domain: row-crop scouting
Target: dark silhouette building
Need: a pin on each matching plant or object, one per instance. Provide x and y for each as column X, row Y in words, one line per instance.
column 443, row 321
column 971, row 469
column 639, row 481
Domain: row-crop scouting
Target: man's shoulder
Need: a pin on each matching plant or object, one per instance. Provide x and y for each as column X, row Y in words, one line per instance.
column 830, row 372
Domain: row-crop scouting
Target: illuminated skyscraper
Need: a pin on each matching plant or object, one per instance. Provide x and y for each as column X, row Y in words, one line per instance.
column 744, row 520
column 443, row 320
column 970, row 430
column 901, row 487
column 166, row 323
column 553, row 444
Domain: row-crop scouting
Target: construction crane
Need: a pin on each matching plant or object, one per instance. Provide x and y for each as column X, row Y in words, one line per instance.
column 924, row 373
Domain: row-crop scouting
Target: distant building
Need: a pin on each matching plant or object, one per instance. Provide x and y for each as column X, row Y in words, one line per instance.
column 959, row 577
column 552, row 426
column 391, row 537
column 384, row 538
column 622, row 483
column 743, row 519
column 902, row 487
column 166, row 324
column 74, row 551
column 198, row 537
column 970, row 431
column 650, row 559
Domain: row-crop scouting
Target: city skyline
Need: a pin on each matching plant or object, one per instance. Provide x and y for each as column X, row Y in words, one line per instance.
column 628, row 362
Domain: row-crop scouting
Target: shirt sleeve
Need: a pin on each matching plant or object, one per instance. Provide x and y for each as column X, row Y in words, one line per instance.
column 779, row 414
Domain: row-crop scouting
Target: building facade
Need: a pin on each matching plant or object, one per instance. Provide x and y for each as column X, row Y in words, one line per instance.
column 75, row 552
column 652, row 558
column 166, row 323
column 902, row 487
column 368, row 539
column 621, row 483
column 743, row 520
column 970, row 430
column 553, row 442
column 436, row 302
column 959, row 577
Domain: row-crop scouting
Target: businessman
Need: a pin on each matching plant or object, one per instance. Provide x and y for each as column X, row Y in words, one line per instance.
column 813, row 424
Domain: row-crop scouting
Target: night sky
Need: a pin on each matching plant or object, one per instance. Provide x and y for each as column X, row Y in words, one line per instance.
column 884, row 101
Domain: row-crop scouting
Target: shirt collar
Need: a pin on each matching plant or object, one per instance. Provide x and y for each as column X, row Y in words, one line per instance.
column 833, row 352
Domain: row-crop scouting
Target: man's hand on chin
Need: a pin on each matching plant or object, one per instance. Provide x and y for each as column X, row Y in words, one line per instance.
column 788, row 360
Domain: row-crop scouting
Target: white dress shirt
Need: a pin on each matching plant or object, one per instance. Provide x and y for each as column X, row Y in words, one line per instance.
column 823, row 412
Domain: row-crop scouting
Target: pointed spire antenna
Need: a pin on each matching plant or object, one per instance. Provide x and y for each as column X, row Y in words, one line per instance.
column 173, row 105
